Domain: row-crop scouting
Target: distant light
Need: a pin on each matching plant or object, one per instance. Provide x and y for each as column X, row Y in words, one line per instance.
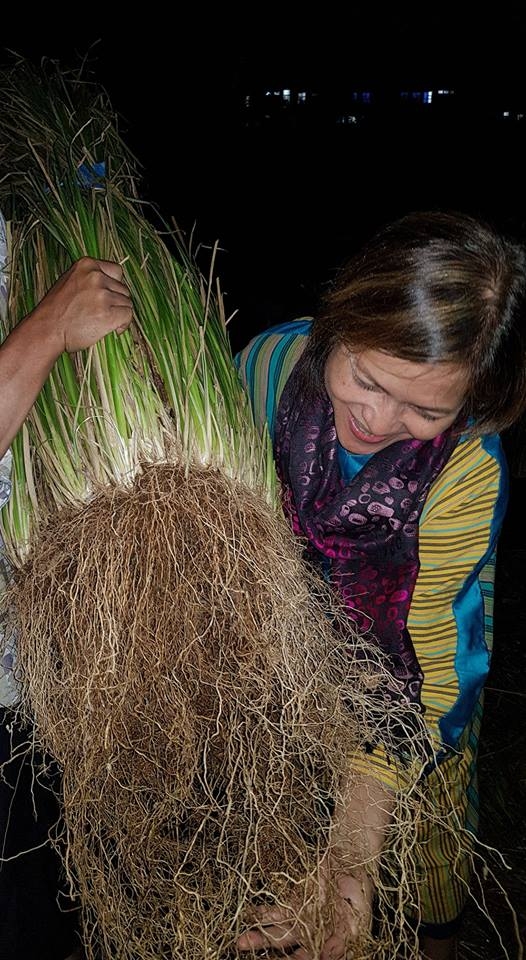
column 247, row 102
column 506, row 113
column 286, row 96
column 424, row 96
column 445, row 93
column 302, row 96
column 347, row 119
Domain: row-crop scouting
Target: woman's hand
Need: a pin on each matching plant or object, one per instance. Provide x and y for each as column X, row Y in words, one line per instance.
column 360, row 821
column 280, row 930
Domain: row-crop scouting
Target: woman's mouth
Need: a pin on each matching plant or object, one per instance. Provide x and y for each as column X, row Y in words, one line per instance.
column 361, row 434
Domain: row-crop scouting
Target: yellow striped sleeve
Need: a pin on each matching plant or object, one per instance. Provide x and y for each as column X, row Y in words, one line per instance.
column 455, row 533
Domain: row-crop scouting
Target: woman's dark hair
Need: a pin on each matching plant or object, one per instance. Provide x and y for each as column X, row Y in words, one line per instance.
column 435, row 288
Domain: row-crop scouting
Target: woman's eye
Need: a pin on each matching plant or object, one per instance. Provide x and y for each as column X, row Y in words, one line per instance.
column 427, row 416
column 365, row 386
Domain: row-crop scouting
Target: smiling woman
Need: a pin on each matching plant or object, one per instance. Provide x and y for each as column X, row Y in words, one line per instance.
column 385, row 412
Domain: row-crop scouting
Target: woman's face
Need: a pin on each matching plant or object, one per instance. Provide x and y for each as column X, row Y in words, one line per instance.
column 379, row 399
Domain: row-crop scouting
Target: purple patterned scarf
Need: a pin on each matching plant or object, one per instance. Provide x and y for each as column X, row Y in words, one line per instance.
column 366, row 531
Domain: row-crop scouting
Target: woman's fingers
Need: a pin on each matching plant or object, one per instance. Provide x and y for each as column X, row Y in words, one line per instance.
column 278, row 936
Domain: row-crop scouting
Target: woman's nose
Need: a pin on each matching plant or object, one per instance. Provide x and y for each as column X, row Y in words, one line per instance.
column 382, row 418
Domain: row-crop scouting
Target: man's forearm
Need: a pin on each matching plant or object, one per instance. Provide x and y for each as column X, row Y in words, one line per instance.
column 26, row 359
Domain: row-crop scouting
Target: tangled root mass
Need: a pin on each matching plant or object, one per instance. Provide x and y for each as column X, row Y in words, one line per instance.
column 186, row 676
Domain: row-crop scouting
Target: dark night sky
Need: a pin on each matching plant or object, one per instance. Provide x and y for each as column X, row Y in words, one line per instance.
column 374, row 42
column 287, row 208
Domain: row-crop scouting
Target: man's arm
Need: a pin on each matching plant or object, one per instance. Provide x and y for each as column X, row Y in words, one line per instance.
column 86, row 303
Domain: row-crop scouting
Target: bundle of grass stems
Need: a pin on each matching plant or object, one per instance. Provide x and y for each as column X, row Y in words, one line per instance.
column 175, row 658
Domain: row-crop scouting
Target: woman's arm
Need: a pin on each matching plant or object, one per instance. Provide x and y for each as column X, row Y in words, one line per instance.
column 361, row 820
column 85, row 304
